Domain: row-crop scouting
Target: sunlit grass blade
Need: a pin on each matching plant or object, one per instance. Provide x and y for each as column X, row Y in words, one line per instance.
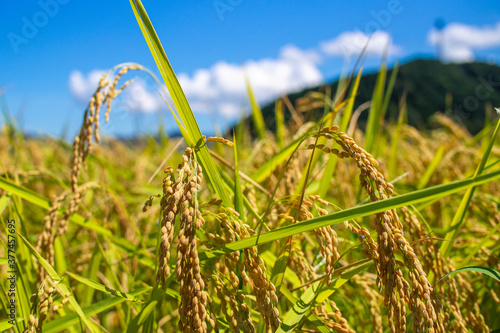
column 346, row 115
column 5, row 325
column 238, row 192
column 290, row 276
column 60, row 324
column 326, row 178
column 270, row 165
column 368, row 209
column 375, row 113
column 51, row 272
column 24, row 193
column 396, row 136
column 94, row 264
column 229, row 183
column 56, row 278
column 40, row 201
column 341, row 280
column 318, row 324
column 300, row 309
column 279, row 115
column 4, row 201
column 459, row 216
column 59, row 256
column 477, row 247
column 280, row 265
column 179, row 99
column 316, row 294
column 389, row 89
column 148, row 308
column 327, row 120
column 483, row 270
column 258, row 119
column 98, row 286
column 424, row 179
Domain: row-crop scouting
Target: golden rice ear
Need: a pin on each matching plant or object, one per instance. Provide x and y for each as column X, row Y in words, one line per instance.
column 105, row 93
column 180, row 199
column 218, row 139
column 390, row 240
column 44, row 298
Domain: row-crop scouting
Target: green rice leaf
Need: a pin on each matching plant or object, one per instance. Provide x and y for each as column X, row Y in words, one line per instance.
column 352, row 213
column 310, row 316
column 270, row 165
column 438, row 156
column 48, row 268
column 97, row 286
column 396, row 137
column 326, row 178
column 60, row 324
column 4, row 201
column 24, row 193
column 279, row 114
column 40, row 201
column 314, row 295
column 238, row 192
column 375, row 113
column 300, row 309
column 59, row 256
column 459, row 216
column 483, row 270
column 346, row 116
column 56, row 278
column 270, row 259
column 148, row 308
column 194, row 136
column 257, row 118
column 94, row 264
column 479, row 245
column 5, row 325
column 280, row 265
column 389, row 89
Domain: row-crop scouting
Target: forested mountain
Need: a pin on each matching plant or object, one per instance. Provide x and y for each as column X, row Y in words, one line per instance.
column 459, row 90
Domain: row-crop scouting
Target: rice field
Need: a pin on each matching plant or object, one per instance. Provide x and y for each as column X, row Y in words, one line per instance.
column 317, row 226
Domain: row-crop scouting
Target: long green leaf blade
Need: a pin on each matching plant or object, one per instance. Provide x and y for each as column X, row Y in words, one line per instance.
column 483, row 270
column 459, row 216
column 60, row 324
column 352, row 213
column 179, row 99
column 258, row 120
column 56, row 278
column 375, row 113
column 97, row 286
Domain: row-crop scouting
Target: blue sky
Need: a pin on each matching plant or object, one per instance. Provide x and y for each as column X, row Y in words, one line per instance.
column 52, row 51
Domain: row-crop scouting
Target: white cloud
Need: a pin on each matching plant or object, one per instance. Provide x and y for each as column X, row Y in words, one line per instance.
column 136, row 97
column 222, row 87
column 350, row 44
column 458, row 41
column 83, row 87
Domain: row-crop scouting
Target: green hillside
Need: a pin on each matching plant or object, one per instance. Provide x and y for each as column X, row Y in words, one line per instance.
column 469, row 86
